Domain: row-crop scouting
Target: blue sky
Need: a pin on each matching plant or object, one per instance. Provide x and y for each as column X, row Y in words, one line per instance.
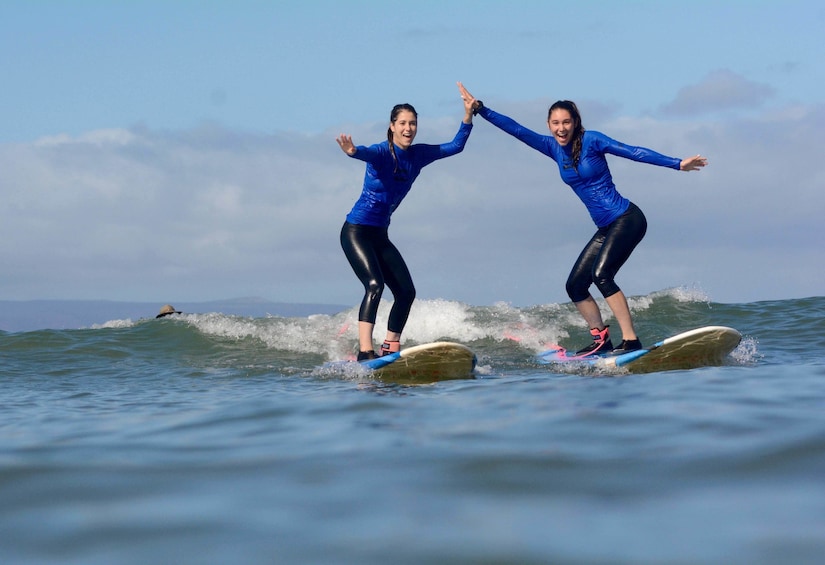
column 185, row 151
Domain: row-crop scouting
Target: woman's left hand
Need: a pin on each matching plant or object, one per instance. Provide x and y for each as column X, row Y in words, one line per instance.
column 693, row 163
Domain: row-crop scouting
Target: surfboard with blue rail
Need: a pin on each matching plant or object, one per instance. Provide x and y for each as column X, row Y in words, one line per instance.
column 700, row 347
column 426, row 363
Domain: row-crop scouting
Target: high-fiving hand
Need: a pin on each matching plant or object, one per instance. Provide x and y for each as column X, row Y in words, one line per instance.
column 469, row 99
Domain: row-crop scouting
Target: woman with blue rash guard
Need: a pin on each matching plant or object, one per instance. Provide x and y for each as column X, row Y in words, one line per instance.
column 621, row 225
column 392, row 166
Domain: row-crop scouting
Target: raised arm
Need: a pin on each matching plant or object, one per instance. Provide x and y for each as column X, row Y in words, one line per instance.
column 535, row 140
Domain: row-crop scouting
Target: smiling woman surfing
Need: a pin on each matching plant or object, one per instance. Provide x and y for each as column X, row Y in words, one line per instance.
column 621, row 225
column 392, row 167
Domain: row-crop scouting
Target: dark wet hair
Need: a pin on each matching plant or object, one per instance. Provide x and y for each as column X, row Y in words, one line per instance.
column 578, row 128
column 397, row 109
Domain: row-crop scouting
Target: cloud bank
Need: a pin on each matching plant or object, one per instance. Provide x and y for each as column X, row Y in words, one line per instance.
column 720, row 90
column 212, row 213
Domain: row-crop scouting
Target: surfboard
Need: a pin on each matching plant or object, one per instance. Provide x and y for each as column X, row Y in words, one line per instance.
column 426, row 363
column 700, row 347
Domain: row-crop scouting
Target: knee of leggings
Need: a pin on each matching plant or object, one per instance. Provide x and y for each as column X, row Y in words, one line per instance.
column 577, row 292
column 406, row 295
column 374, row 289
column 606, row 286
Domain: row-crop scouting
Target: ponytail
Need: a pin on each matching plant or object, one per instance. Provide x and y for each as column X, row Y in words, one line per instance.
column 392, row 150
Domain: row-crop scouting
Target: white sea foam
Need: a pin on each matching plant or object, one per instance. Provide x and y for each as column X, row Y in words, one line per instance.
column 335, row 336
column 127, row 323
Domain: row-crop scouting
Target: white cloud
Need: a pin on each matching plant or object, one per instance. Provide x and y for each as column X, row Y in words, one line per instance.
column 720, row 90
column 212, row 213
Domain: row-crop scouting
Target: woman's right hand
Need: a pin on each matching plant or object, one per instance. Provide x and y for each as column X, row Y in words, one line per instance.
column 469, row 100
column 693, row 163
column 345, row 143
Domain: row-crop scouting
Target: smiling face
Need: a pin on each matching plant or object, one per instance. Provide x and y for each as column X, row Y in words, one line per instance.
column 562, row 125
column 404, row 128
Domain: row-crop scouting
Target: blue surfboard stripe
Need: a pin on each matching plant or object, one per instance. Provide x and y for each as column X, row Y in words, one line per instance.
column 382, row 361
column 626, row 358
column 559, row 355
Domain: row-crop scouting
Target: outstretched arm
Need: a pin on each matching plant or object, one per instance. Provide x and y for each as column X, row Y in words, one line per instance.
column 535, row 140
column 693, row 163
column 345, row 143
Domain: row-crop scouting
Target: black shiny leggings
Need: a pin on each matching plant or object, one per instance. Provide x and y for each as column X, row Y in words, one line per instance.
column 377, row 261
column 604, row 255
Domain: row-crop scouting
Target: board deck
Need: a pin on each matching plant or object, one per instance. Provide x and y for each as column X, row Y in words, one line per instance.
column 700, row 347
column 426, row 363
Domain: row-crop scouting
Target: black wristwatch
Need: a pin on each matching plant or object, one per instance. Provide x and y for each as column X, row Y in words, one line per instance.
column 479, row 107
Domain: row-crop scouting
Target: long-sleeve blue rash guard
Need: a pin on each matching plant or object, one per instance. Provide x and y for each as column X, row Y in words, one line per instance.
column 386, row 184
column 591, row 181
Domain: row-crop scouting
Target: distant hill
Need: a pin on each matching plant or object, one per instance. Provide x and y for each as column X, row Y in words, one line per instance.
column 29, row 315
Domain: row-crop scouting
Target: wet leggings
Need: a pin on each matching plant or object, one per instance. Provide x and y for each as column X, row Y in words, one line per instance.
column 604, row 255
column 377, row 261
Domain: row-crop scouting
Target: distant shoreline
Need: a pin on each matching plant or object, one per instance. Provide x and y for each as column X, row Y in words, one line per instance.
column 31, row 315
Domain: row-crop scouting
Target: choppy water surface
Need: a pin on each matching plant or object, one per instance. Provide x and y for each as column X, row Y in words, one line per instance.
column 215, row 439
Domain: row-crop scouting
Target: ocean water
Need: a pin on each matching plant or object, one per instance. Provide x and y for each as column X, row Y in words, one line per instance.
column 209, row 438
